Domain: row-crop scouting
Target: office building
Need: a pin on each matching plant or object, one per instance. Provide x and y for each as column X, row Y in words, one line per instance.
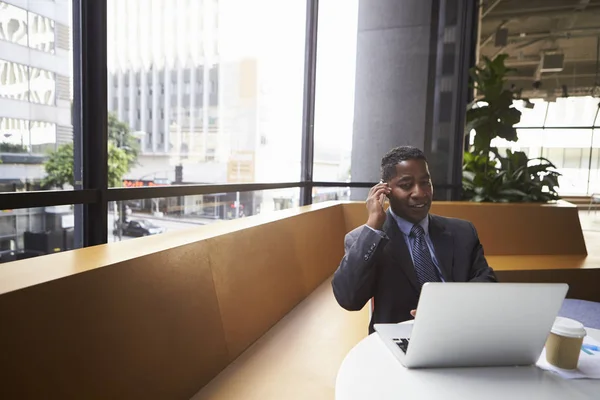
column 35, row 108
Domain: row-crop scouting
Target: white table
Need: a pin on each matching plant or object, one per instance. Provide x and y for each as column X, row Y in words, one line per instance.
column 370, row 371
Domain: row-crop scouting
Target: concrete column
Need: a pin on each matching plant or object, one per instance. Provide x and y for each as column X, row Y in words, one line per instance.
column 408, row 91
column 392, row 71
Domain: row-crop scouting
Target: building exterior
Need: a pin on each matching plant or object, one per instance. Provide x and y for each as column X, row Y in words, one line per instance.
column 210, row 88
column 35, row 114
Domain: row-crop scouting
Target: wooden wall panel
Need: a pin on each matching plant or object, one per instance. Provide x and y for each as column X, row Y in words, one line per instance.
column 355, row 214
column 507, row 229
column 262, row 272
column 258, row 279
column 319, row 244
column 146, row 328
column 523, row 229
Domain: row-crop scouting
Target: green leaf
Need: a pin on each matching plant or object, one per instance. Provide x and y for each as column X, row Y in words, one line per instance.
column 122, row 155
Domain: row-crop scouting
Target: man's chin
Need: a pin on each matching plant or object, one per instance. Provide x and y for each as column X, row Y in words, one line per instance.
column 417, row 214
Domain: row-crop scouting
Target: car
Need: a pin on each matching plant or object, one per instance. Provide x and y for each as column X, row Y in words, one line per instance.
column 139, row 227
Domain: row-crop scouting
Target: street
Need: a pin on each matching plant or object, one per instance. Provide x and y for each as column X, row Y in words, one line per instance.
column 169, row 224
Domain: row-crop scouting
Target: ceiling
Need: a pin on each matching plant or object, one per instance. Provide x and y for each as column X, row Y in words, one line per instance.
column 541, row 28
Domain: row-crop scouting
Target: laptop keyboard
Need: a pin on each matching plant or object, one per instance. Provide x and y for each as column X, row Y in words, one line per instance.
column 402, row 343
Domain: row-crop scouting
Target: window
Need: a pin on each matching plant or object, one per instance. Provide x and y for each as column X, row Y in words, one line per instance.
column 14, row 81
column 210, row 154
column 569, row 150
column 555, row 156
column 561, row 131
column 251, row 59
column 41, row 33
column 574, row 158
column 21, row 82
column 572, row 111
column 42, row 86
column 43, row 137
column 36, row 129
column 146, row 217
column 336, row 64
column 321, row 194
column 32, row 232
column 15, row 135
column 533, row 114
column 13, row 24
column 594, row 185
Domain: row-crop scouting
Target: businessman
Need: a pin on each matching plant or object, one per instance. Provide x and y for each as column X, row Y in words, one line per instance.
column 396, row 252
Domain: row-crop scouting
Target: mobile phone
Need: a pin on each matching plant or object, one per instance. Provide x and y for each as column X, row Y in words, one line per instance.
column 386, row 195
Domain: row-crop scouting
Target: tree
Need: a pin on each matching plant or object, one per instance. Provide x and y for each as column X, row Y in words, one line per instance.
column 120, row 134
column 59, row 166
column 118, row 165
column 12, row 148
column 123, row 150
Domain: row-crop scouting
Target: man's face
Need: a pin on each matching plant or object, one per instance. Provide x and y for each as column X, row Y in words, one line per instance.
column 412, row 190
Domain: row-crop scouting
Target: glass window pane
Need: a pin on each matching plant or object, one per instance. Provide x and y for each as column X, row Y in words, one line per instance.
column 569, row 150
column 36, row 131
column 321, row 194
column 334, row 97
column 572, row 111
column 155, row 216
column 594, row 186
column 530, row 141
column 13, row 24
column 207, row 116
column 32, row 232
column 41, row 32
column 532, row 113
column 14, row 81
column 42, row 86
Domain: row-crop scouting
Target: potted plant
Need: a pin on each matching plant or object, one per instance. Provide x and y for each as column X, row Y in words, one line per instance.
column 489, row 176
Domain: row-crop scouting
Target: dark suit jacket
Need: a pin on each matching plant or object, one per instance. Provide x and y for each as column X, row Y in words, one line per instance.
column 381, row 267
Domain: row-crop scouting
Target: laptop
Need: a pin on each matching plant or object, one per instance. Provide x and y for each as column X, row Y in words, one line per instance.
column 476, row 325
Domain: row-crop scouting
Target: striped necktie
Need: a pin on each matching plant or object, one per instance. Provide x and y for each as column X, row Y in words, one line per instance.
column 424, row 266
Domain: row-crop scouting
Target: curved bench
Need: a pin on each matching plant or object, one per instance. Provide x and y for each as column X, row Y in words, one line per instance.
column 245, row 301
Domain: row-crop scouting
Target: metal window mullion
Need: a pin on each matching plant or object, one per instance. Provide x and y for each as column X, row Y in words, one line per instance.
column 308, row 114
column 90, row 82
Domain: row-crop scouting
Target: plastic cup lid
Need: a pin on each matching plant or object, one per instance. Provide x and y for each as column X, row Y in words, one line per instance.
column 568, row 327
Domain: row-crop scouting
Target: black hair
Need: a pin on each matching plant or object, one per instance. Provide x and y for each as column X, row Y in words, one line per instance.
column 397, row 155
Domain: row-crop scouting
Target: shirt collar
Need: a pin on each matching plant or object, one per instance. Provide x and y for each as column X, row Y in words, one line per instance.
column 406, row 227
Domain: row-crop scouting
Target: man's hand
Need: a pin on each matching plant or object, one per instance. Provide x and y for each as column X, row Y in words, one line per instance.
column 413, row 313
column 375, row 202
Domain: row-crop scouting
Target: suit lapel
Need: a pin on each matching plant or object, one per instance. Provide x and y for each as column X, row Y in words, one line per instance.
column 443, row 243
column 397, row 251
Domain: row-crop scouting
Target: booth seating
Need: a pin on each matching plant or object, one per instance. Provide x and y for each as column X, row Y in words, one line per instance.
column 237, row 309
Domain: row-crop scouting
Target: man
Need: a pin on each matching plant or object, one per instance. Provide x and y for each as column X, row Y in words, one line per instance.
column 396, row 252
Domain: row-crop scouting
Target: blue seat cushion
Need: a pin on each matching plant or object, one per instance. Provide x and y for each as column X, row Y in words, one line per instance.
column 586, row 312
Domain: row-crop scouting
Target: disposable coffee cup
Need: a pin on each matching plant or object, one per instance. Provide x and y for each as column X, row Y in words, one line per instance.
column 564, row 343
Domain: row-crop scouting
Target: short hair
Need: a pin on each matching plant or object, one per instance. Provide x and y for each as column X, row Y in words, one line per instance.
column 397, row 155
